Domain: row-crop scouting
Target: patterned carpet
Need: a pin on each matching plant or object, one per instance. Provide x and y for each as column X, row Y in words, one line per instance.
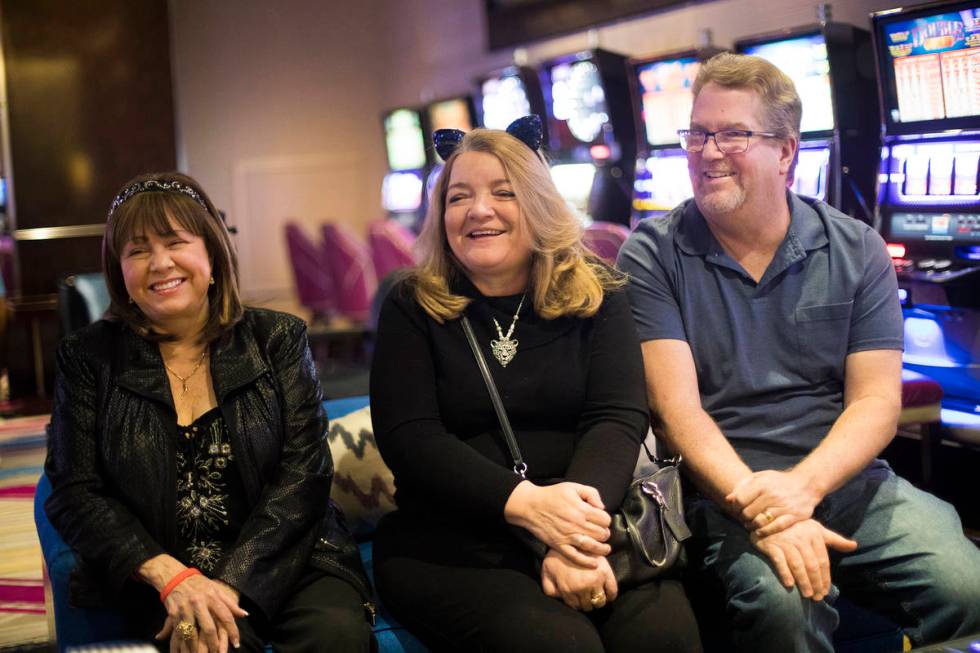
column 23, row 619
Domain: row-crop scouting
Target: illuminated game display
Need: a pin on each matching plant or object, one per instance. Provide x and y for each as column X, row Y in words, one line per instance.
column 932, row 66
column 404, row 140
column 829, row 66
column 804, row 59
column 666, row 100
column 401, row 189
column 509, row 94
column 589, row 123
column 928, row 60
column 578, row 102
column 662, row 101
column 454, row 113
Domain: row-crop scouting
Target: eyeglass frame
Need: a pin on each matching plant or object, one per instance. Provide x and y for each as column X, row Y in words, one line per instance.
column 747, row 133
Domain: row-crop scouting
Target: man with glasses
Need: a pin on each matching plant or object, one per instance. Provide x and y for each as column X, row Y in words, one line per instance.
column 772, row 338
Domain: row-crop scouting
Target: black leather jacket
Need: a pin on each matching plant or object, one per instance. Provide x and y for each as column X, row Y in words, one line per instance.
column 111, row 459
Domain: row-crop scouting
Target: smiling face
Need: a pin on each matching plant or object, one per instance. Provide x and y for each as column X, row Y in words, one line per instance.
column 725, row 183
column 167, row 276
column 485, row 226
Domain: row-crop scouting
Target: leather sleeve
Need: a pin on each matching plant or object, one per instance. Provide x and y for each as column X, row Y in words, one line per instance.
column 111, row 540
column 274, row 546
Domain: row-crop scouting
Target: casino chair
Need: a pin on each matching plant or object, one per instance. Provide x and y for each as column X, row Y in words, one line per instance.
column 82, row 299
column 921, row 408
column 313, row 277
column 349, row 261
column 604, row 240
column 391, row 247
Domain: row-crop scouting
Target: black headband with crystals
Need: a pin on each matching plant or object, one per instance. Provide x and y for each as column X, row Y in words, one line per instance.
column 527, row 130
column 153, row 185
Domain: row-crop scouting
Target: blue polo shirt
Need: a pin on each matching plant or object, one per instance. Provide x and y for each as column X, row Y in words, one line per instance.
column 769, row 355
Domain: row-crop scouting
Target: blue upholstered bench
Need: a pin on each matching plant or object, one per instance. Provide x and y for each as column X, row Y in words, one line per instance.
column 77, row 626
column 363, row 488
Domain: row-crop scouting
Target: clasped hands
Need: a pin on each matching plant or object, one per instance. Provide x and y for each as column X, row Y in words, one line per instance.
column 571, row 520
column 201, row 611
column 777, row 507
column 211, row 607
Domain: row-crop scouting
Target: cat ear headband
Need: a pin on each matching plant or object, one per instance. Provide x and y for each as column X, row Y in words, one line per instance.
column 526, row 129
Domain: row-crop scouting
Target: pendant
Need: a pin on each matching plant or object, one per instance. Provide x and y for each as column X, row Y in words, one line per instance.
column 504, row 350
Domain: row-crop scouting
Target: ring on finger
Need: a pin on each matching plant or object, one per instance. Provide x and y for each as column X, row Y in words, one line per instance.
column 598, row 599
column 767, row 516
column 186, row 630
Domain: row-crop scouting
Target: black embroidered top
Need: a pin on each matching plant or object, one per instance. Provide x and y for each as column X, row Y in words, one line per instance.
column 211, row 506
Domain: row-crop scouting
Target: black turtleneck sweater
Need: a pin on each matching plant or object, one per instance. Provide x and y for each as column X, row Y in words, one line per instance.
column 574, row 394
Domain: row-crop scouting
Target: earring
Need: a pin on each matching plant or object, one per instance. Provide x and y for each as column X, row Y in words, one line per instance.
column 211, row 281
column 131, row 301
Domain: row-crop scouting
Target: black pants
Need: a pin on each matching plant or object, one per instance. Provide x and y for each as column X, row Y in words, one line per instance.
column 478, row 590
column 323, row 614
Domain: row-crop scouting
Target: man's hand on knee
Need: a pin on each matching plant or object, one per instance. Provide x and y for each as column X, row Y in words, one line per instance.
column 771, row 501
column 799, row 555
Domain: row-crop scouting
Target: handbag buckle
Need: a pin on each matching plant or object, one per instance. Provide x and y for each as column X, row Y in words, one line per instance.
column 651, row 488
column 521, row 470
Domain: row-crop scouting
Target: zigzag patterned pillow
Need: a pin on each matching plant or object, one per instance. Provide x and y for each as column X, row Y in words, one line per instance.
column 363, row 486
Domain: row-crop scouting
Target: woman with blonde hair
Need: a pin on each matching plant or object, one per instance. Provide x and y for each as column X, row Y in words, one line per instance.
column 457, row 562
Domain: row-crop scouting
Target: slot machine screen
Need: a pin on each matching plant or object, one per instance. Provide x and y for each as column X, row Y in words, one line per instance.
column 505, row 99
column 402, row 191
column 450, row 114
column 804, row 59
column 929, row 60
column 665, row 96
column 578, row 104
column 404, row 140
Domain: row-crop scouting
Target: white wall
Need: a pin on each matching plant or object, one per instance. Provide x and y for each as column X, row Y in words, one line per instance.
column 278, row 117
column 278, row 104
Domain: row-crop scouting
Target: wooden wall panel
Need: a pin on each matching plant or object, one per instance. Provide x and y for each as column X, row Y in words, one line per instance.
column 90, row 104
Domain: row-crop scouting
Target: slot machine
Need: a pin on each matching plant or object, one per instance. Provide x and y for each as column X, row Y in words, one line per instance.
column 509, row 94
column 591, row 134
column 402, row 187
column 928, row 60
column 451, row 113
column 831, row 66
column 662, row 101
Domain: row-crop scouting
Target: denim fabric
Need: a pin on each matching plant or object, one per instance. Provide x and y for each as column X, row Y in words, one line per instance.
column 913, row 565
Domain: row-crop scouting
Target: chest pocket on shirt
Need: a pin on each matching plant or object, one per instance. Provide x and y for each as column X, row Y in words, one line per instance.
column 822, row 332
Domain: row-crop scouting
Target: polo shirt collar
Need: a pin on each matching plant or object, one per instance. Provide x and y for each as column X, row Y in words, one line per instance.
column 806, row 229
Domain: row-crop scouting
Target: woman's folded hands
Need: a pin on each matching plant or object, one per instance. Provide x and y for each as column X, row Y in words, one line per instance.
column 568, row 517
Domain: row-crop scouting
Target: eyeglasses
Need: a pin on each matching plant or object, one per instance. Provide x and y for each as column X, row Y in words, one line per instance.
column 729, row 141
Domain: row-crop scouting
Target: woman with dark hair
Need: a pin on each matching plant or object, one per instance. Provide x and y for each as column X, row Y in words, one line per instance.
column 501, row 247
column 187, row 456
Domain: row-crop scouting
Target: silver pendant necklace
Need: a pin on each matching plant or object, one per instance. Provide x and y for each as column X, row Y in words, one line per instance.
column 505, row 348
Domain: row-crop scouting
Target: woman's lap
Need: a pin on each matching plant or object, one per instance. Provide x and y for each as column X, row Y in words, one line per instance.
column 480, row 590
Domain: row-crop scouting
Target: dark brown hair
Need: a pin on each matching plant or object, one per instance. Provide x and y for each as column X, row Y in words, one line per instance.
column 152, row 211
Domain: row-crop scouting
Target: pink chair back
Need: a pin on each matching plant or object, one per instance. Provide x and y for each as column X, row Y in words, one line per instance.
column 604, row 239
column 391, row 247
column 314, row 280
column 349, row 260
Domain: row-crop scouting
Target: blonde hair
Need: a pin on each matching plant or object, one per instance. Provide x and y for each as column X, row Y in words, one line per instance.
column 783, row 107
column 566, row 279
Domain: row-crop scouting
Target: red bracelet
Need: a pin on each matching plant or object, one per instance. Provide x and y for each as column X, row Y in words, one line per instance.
column 177, row 580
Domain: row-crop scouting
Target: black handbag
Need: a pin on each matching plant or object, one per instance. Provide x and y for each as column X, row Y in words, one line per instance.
column 648, row 530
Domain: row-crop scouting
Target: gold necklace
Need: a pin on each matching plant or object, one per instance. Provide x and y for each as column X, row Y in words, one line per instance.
column 183, row 379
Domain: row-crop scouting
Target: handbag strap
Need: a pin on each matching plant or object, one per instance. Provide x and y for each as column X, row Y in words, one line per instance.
column 520, row 467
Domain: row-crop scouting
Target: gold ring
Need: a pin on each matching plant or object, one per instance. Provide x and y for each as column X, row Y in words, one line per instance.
column 186, row 630
column 767, row 516
column 597, row 598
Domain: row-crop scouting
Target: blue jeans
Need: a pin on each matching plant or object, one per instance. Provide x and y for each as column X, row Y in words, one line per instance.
column 913, row 565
